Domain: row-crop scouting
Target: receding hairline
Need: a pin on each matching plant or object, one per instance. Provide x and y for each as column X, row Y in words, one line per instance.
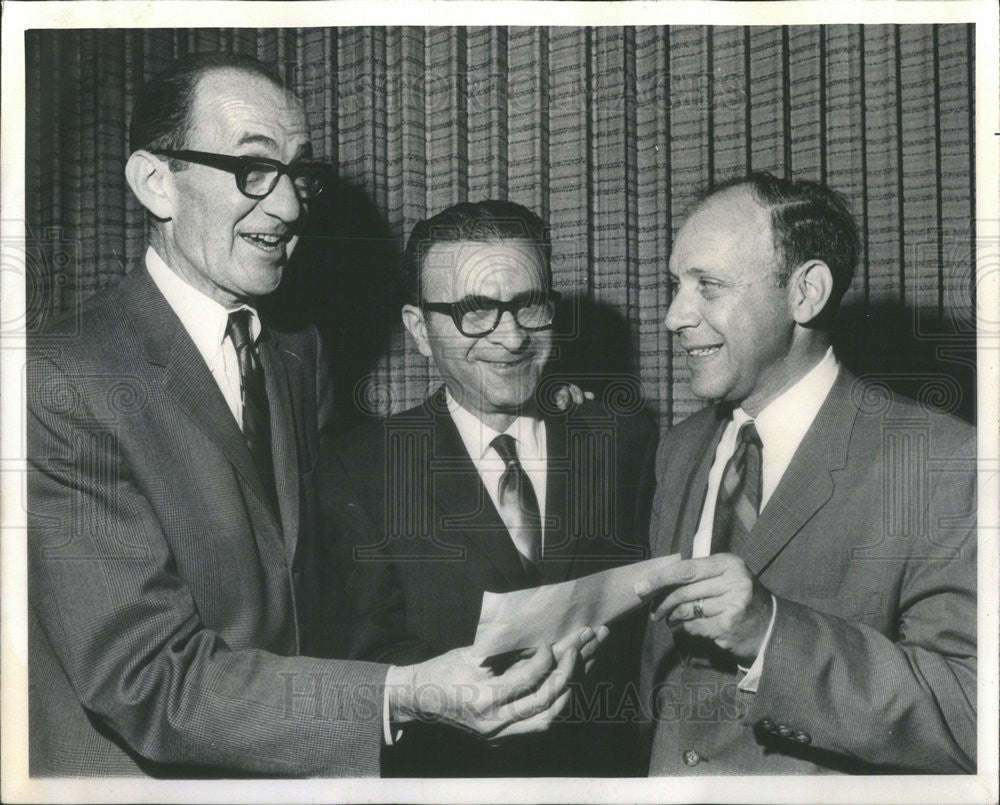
column 213, row 71
column 747, row 189
column 731, row 194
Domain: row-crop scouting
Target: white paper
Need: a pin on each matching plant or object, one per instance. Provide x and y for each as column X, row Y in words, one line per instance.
column 526, row 618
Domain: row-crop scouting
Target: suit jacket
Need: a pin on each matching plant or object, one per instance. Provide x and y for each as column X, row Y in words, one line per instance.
column 167, row 597
column 421, row 540
column 868, row 544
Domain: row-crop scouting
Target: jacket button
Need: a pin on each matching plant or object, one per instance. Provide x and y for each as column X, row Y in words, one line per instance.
column 767, row 725
column 691, row 758
column 802, row 737
column 785, row 731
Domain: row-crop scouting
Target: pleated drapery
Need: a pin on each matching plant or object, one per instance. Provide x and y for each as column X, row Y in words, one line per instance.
column 605, row 132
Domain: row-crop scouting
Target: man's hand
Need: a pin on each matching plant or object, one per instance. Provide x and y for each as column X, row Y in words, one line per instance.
column 457, row 689
column 570, row 394
column 715, row 597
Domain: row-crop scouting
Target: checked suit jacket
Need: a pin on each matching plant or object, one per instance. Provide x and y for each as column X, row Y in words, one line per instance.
column 868, row 544
column 419, row 541
column 168, row 601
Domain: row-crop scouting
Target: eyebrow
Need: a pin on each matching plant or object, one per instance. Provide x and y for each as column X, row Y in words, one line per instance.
column 304, row 151
column 479, row 299
column 256, row 139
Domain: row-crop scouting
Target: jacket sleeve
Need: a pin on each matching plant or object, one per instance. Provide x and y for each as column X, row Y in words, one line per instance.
column 905, row 701
column 113, row 604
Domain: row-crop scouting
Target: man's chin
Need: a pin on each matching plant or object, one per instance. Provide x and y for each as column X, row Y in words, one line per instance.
column 707, row 390
column 267, row 281
column 509, row 405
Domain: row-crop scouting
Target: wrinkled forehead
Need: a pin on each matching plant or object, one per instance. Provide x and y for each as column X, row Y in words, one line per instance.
column 233, row 107
column 499, row 269
column 730, row 228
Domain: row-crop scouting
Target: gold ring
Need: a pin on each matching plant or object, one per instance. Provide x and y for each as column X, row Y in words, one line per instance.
column 699, row 611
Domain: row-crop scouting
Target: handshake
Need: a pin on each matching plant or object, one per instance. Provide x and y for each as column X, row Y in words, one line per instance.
column 463, row 690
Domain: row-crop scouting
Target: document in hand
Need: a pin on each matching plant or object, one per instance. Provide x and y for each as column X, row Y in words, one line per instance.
column 526, row 618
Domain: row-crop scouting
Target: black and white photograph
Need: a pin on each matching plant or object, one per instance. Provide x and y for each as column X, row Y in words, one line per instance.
column 500, row 402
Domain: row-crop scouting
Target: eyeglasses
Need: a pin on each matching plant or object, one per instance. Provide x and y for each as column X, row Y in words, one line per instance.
column 256, row 177
column 476, row 316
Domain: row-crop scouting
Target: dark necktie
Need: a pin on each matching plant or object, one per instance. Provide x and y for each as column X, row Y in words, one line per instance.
column 519, row 506
column 738, row 503
column 256, row 412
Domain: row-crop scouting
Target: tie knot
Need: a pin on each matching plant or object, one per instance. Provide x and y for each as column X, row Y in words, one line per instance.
column 238, row 328
column 748, row 434
column 506, row 448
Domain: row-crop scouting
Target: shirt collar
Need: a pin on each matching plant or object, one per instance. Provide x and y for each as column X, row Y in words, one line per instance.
column 204, row 319
column 783, row 422
column 478, row 436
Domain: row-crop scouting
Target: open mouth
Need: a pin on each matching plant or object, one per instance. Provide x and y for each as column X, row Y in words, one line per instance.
column 508, row 365
column 703, row 352
column 268, row 242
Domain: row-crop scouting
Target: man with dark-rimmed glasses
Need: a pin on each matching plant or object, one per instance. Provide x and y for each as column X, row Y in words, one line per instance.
column 171, row 440
column 487, row 487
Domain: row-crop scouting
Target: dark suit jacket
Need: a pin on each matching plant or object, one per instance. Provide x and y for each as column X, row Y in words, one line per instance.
column 419, row 534
column 164, row 616
column 868, row 543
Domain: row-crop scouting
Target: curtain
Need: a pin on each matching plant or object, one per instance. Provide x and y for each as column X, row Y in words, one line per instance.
column 605, row 132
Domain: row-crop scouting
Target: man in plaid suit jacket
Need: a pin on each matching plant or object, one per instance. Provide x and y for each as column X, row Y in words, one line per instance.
column 169, row 586
column 823, row 617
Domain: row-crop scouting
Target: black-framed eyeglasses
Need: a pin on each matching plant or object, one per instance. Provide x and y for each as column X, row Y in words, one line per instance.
column 476, row 316
column 256, row 177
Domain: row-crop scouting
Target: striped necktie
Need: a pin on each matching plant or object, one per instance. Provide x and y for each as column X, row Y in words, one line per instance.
column 519, row 506
column 738, row 503
column 256, row 411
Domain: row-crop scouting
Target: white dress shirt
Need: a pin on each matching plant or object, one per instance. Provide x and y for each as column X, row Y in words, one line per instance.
column 205, row 321
column 528, row 434
column 781, row 425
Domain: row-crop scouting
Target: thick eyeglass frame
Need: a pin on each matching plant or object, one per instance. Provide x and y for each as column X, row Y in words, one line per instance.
column 242, row 166
column 457, row 310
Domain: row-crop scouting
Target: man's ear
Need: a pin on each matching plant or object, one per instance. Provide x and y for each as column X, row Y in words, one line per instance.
column 809, row 290
column 413, row 321
column 150, row 181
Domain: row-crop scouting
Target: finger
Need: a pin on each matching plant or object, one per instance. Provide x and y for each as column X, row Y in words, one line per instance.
column 699, row 609
column 562, row 397
column 543, row 698
column 705, row 590
column 578, row 639
column 702, row 627
column 589, row 395
column 524, row 676
column 684, row 571
column 538, row 722
column 577, row 393
column 589, row 649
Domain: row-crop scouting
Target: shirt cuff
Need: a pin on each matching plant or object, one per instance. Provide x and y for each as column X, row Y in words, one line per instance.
column 388, row 735
column 750, row 682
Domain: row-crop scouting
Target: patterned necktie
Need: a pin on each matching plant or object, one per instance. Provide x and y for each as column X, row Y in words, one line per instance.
column 738, row 503
column 256, row 412
column 519, row 506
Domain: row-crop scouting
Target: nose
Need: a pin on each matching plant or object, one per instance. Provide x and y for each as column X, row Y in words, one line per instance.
column 508, row 333
column 682, row 313
column 283, row 202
